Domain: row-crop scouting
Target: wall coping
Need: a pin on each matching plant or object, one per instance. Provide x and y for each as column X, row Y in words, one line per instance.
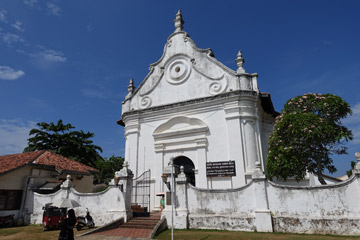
column 224, row 190
column 336, row 185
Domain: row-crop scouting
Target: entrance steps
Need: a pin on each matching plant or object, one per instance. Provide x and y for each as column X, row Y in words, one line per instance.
column 137, row 227
column 141, row 222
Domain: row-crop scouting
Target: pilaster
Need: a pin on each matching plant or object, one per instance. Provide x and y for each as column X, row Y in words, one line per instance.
column 181, row 220
column 132, row 131
column 200, row 177
column 235, row 150
column 263, row 222
column 249, row 118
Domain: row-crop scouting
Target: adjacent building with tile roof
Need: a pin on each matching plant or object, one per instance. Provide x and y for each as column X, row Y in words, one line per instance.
column 46, row 160
column 41, row 171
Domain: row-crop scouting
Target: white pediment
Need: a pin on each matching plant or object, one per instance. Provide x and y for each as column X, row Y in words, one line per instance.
column 181, row 126
column 185, row 72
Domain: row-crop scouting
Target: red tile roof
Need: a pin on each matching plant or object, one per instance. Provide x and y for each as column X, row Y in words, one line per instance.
column 46, row 159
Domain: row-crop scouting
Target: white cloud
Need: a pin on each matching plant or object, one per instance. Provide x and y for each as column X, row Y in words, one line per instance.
column 48, row 55
column 7, row 73
column 90, row 27
column 10, row 38
column 92, row 93
column 3, row 15
column 53, row 9
column 18, row 25
column 14, row 134
column 53, row 56
column 31, row 3
column 327, row 42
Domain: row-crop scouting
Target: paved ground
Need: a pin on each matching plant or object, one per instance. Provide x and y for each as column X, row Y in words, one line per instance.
column 136, row 228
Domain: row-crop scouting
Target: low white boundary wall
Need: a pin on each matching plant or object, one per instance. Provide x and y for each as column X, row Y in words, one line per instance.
column 333, row 209
column 104, row 207
column 265, row 207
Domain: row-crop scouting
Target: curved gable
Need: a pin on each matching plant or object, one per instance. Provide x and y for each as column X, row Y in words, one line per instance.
column 185, row 72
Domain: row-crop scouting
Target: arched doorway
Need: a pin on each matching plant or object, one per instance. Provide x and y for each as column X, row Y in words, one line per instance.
column 189, row 168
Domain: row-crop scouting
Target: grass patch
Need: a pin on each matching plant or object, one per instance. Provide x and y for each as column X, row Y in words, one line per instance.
column 232, row 235
column 32, row 232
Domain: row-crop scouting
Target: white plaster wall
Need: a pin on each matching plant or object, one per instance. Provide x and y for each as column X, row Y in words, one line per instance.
column 104, row 207
column 332, row 209
column 226, row 209
column 238, row 202
column 315, row 202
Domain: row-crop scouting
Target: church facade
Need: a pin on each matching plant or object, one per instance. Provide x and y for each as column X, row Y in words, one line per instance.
column 210, row 119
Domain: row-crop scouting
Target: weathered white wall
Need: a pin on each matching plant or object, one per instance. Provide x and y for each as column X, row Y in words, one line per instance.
column 265, row 206
column 322, row 209
column 104, row 207
column 221, row 209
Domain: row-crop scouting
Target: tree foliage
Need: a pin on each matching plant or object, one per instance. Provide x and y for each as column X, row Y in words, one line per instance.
column 306, row 134
column 350, row 172
column 62, row 139
column 107, row 168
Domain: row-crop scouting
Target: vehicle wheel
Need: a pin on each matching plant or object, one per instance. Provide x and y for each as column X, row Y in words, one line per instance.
column 78, row 227
column 92, row 225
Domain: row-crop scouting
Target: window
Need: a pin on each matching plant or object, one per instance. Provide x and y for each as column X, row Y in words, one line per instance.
column 10, row 199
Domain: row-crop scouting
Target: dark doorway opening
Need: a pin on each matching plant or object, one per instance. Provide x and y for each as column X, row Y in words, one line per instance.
column 189, row 168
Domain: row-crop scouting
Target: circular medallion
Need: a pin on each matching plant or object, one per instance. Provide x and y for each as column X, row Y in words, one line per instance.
column 178, row 71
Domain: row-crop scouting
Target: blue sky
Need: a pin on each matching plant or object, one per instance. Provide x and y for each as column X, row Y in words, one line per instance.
column 73, row 59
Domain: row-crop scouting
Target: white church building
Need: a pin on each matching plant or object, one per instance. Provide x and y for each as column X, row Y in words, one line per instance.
column 211, row 119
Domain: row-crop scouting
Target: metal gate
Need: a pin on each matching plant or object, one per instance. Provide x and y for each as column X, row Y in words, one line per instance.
column 140, row 199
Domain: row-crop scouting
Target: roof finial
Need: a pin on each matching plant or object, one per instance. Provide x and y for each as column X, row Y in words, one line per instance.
column 130, row 88
column 240, row 62
column 179, row 22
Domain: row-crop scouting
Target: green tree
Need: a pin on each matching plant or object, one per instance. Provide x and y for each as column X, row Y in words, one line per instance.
column 107, row 168
column 306, row 134
column 62, row 139
column 352, row 164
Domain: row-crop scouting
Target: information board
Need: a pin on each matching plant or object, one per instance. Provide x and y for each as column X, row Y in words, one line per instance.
column 220, row 169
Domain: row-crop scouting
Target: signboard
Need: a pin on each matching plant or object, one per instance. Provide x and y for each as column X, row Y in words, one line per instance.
column 220, row 169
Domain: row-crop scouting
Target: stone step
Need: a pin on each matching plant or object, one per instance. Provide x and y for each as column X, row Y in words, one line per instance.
column 143, row 221
column 138, row 226
column 146, row 218
column 140, row 223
